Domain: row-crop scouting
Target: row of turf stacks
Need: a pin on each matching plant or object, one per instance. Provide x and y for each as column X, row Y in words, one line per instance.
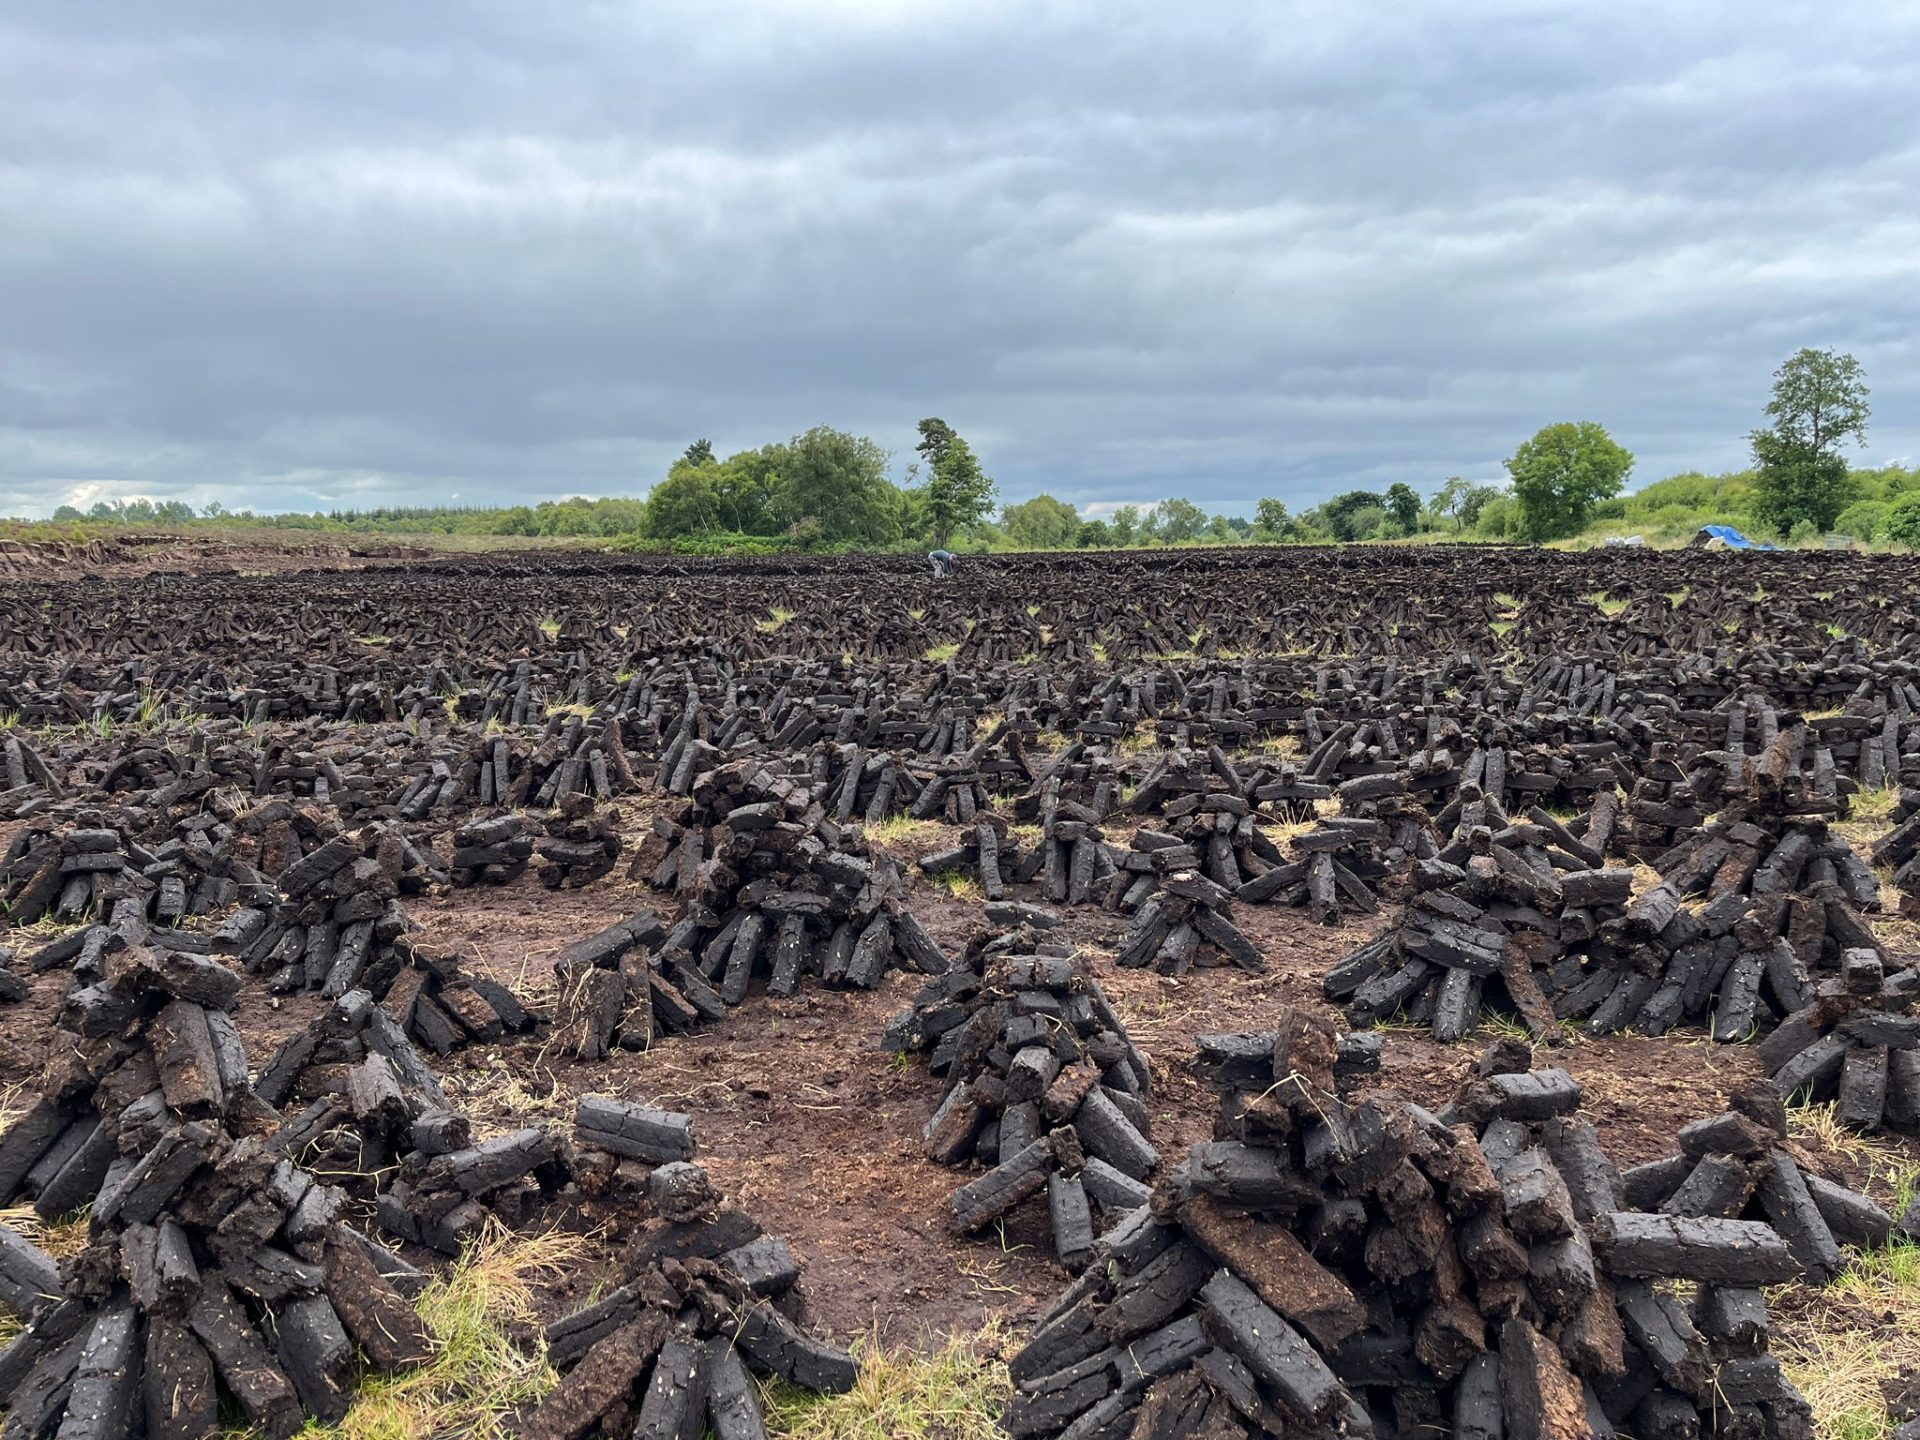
column 215, row 1269
column 1325, row 1268
column 1042, row 1085
column 706, row 1301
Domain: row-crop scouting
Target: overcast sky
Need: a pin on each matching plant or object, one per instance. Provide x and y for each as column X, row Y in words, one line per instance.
column 288, row 256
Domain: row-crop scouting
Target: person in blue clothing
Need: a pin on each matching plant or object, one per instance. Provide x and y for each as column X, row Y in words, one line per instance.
column 942, row 564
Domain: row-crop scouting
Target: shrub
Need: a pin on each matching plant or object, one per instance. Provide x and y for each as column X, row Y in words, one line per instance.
column 1903, row 519
column 1864, row 519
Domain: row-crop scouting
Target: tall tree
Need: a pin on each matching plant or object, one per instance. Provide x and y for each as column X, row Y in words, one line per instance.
column 958, row 492
column 1448, row 499
column 700, row 452
column 1271, row 516
column 1561, row 472
column 1126, row 524
column 935, row 436
column 1819, row 403
column 1404, row 506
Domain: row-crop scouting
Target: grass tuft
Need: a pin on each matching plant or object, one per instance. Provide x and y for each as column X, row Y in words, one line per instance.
column 479, row 1376
column 954, row 1393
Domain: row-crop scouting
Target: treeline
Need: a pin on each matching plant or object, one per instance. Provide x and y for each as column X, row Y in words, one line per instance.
column 828, row 489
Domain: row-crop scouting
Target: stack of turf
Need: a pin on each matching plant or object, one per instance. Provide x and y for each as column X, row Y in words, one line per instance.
column 707, row 1302
column 582, row 844
column 1042, row 1085
column 769, row 884
column 357, row 1096
column 1899, row 848
column 1329, row 1268
column 1751, row 910
column 1073, row 861
column 989, row 853
column 214, row 1267
column 1216, row 833
column 1339, row 864
column 1857, row 1042
column 493, row 851
column 1740, row 1164
column 1661, row 808
column 1503, row 910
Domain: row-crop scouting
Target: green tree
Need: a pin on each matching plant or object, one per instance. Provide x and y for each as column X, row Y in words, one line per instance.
column 935, row 436
column 744, row 489
column 1819, row 403
column 1095, row 534
column 1178, row 519
column 1126, row 525
column 1042, row 523
column 1366, row 522
column 958, row 493
column 700, row 452
column 1474, row 503
column 1560, row 473
column 1337, row 514
column 1404, row 506
column 685, row 503
column 840, row 481
column 1270, row 517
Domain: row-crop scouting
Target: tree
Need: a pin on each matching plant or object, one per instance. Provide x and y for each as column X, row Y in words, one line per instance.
column 1404, row 506
column 1474, row 503
column 958, row 493
column 935, row 436
column 1560, row 473
column 685, row 503
column 1270, row 517
column 1095, row 534
column 1794, row 485
column 1448, row 499
column 1126, row 524
column 840, row 480
column 1819, row 403
column 700, row 452
column 744, row 489
column 1178, row 519
column 1042, row 523
column 1337, row 513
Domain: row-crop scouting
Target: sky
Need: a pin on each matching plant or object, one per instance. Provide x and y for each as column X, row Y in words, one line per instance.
column 294, row 257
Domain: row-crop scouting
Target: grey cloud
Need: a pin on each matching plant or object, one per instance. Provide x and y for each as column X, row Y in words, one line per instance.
column 285, row 257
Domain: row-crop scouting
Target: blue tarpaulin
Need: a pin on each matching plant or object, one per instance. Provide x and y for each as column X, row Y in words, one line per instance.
column 1733, row 539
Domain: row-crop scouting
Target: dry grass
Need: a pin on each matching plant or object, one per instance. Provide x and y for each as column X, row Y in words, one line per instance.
column 953, row 1393
column 478, row 1376
column 1844, row 1344
column 776, row 619
column 939, row 654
